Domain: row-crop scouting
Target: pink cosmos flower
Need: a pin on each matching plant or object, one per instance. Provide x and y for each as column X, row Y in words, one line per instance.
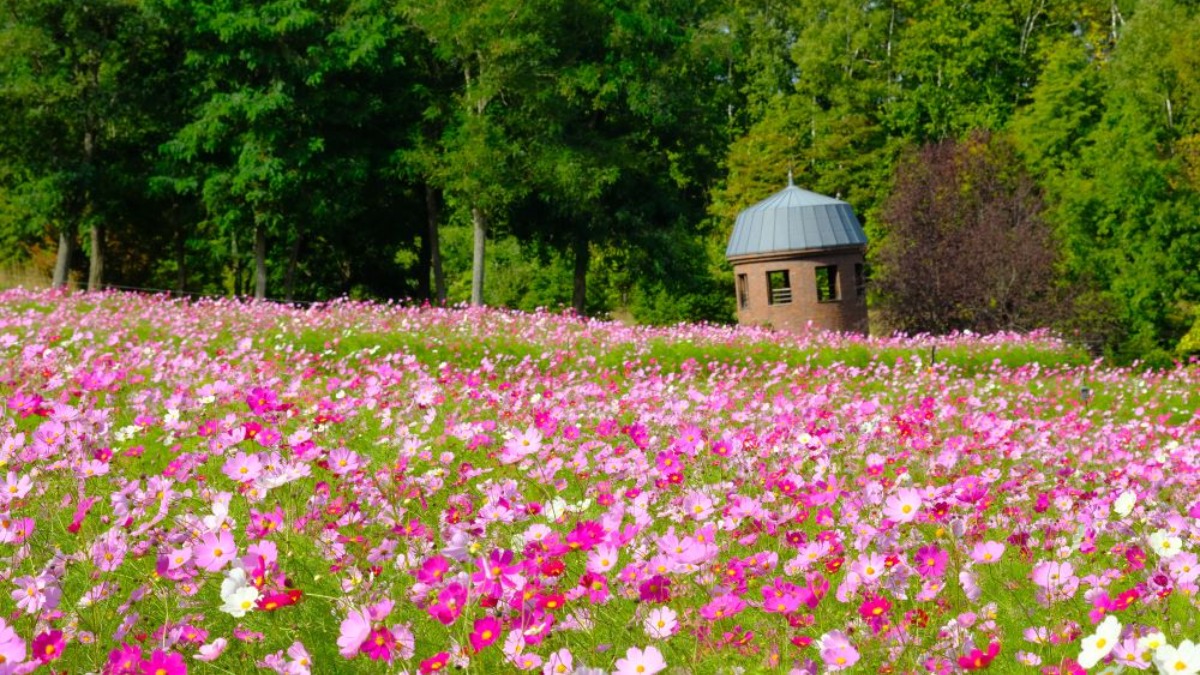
column 869, row 567
column 780, row 597
column 977, row 659
column 722, row 606
column 494, row 571
column 874, row 607
column 661, row 623
column 987, row 552
column 215, row 550
column 12, row 647
column 179, row 557
column 301, row 660
column 15, row 487
column 108, row 552
column 243, row 468
column 343, row 461
column 81, row 511
column 34, row 594
column 655, row 589
column 521, row 446
column 595, row 586
column 560, row 662
column 641, row 662
column 210, row 651
column 837, row 651
column 903, row 506
column 602, row 559
column 1054, row 574
column 354, row 631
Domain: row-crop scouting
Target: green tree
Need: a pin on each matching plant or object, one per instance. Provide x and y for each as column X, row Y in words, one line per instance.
column 71, row 83
column 286, row 96
column 497, row 47
column 1127, row 217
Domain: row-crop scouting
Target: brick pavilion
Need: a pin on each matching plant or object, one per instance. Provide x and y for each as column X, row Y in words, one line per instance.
column 798, row 257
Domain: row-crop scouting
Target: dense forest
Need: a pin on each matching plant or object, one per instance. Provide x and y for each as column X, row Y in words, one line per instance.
column 1015, row 163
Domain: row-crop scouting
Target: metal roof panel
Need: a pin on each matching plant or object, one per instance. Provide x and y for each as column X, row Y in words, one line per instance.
column 795, row 219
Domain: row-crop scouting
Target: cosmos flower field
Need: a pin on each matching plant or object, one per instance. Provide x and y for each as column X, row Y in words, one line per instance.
column 225, row 487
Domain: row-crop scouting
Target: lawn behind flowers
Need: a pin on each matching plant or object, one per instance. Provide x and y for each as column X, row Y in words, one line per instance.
column 218, row 487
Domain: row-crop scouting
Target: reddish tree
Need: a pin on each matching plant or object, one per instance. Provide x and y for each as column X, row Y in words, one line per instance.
column 965, row 246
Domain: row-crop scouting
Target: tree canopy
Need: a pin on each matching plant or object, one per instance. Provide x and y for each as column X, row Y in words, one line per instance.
column 595, row 153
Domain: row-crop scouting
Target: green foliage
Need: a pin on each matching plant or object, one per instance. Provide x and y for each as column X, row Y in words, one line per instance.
column 605, row 145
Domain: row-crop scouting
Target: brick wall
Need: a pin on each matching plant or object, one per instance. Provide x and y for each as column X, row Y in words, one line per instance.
column 847, row 314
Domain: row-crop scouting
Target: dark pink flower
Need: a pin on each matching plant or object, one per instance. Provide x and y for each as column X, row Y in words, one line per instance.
column 48, row 646
column 655, row 589
column 164, row 663
column 487, row 630
column 930, row 561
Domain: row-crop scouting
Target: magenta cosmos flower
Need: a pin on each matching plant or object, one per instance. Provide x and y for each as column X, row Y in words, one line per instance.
column 165, row 663
column 487, row 630
column 930, row 561
column 48, row 646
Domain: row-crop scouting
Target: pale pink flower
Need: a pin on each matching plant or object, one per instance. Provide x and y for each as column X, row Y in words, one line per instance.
column 560, row 662
column 641, row 662
column 661, row 623
column 987, row 552
column 210, row 651
column 903, row 506
column 354, row 631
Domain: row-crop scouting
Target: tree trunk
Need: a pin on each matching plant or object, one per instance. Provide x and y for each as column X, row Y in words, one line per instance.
column 96, row 264
column 180, row 253
column 582, row 259
column 260, row 263
column 237, row 263
column 289, row 284
column 424, row 292
column 480, row 222
column 62, row 264
column 432, row 211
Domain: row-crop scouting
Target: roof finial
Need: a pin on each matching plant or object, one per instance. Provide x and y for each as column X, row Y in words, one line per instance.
column 790, row 183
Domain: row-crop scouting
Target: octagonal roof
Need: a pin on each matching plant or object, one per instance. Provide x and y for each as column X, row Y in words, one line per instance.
column 794, row 220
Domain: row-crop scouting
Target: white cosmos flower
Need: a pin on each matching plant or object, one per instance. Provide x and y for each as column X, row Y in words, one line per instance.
column 1098, row 645
column 1181, row 660
column 1151, row 642
column 554, row 509
column 234, row 581
column 1123, row 505
column 240, row 601
column 1165, row 544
